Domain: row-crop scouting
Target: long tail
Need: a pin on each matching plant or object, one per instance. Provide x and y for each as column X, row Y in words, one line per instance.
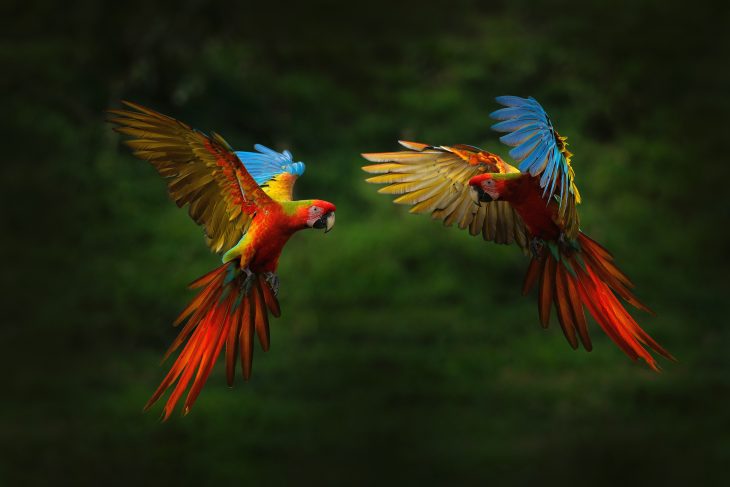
column 584, row 276
column 228, row 310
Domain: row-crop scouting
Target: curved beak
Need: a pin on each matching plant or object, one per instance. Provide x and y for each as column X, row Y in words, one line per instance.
column 330, row 223
column 327, row 221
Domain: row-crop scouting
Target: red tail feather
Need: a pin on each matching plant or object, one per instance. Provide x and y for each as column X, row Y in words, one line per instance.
column 588, row 278
column 226, row 313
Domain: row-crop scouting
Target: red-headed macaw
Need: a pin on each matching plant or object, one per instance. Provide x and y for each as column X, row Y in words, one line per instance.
column 244, row 202
column 533, row 206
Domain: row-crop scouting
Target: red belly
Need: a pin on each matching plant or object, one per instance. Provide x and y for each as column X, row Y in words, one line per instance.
column 269, row 245
column 539, row 223
column 535, row 211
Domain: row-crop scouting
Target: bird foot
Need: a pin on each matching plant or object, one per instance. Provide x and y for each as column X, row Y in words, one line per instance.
column 272, row 279
column 536, row 247
column 567, row 246
column 248, row 280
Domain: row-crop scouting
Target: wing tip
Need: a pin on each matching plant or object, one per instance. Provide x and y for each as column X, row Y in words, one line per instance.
column 370, row 156
column 378, row 157
column 416, row 146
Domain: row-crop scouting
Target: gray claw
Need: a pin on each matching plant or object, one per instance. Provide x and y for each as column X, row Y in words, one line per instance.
column 248, row 281
column 567, row 245
column 272, row 279
column 536, row 247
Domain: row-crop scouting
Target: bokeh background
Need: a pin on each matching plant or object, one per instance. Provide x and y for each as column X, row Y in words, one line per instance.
column 405, row 354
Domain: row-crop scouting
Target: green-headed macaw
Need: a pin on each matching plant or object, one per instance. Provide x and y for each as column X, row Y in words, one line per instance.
column 243, row 200
column 534, row 206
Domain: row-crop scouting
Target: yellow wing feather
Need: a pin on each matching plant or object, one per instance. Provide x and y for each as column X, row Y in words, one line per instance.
column 435, row 180
column 201, row 171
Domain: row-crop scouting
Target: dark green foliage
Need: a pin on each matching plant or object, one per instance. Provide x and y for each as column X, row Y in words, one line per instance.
column 405, row 353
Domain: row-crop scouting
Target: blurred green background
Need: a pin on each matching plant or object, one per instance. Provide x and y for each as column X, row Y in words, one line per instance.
column 405, row 354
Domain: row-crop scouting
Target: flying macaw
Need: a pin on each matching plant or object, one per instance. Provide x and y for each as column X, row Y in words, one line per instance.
column 534, row 206
column 244, row 202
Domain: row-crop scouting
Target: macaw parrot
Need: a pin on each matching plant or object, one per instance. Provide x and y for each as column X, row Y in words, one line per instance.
column 244, row 202
column 534, row 206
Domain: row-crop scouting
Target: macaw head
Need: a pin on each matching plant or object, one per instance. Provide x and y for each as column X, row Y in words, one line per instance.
column 320, row 214
column 490, row 186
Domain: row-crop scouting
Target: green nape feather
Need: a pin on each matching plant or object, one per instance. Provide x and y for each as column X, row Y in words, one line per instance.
column 291, row 207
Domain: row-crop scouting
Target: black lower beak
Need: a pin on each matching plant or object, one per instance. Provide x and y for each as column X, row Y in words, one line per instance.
column 326, row 222
column 482, row 195
column 321, row 223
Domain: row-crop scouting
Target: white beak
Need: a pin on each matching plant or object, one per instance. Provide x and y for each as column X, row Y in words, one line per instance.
column 330, row 222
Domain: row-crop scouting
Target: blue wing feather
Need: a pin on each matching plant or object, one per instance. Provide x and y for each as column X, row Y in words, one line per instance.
column 518, row 136
column 549, row 169
column 555, row 171
column 524, row 149
column 266, row 164
column 512, row 124
column 535, row 161
column 516, row 101
column 531, row 132
column 515, row 112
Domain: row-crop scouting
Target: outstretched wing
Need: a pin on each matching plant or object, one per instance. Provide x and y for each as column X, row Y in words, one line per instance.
column 275, row 172
column 201, row 171
column 541, row 151
column 436, row 180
